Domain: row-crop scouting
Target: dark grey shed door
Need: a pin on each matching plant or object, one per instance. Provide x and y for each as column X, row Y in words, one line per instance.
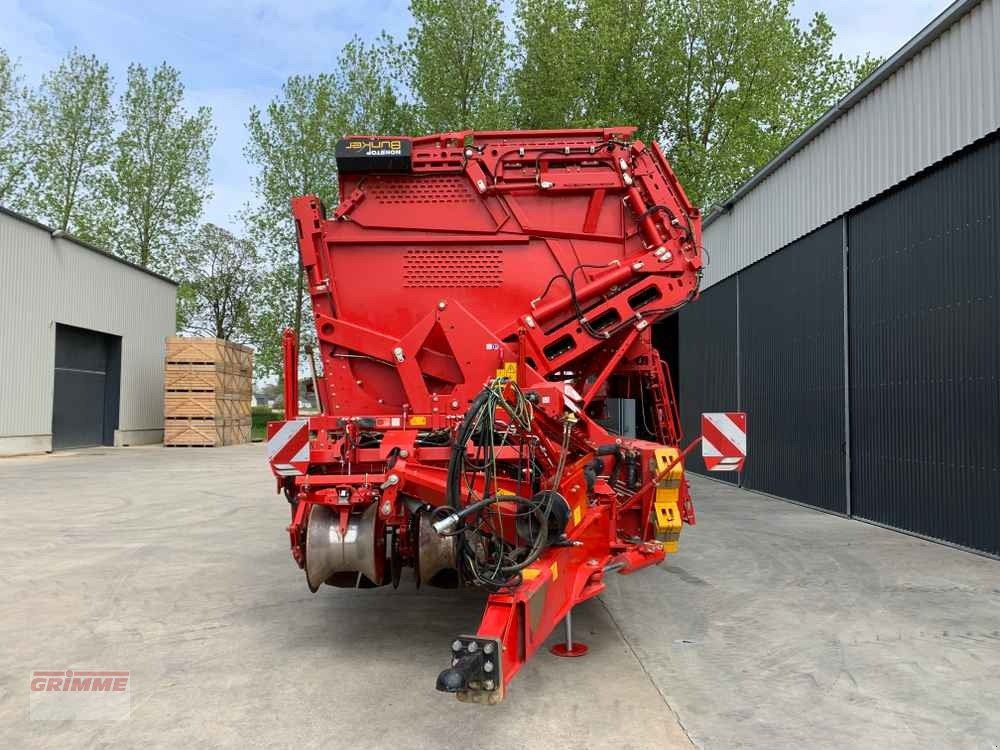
column 792, row 370
column 709, row 369
column 925, row 359
column 86, row 374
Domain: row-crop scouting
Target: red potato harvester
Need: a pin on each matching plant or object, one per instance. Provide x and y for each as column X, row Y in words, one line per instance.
column 483, row 303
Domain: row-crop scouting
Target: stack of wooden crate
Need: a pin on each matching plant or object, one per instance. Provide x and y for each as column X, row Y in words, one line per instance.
column 208, row 386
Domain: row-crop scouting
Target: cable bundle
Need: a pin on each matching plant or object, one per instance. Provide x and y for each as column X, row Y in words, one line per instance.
column 487, row 557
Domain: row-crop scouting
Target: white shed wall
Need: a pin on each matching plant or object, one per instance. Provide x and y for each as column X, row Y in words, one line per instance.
column 45, row 281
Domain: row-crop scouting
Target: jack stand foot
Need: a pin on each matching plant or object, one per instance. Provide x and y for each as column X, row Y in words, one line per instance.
column 569, row 648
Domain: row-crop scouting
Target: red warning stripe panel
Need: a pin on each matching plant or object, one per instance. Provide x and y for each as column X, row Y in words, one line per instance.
column 724, row 440
column 288, row 448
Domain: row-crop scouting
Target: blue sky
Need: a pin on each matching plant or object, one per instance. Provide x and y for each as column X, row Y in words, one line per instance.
column 235, row 54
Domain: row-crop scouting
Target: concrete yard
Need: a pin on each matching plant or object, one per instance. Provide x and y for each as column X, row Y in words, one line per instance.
column 775, row 626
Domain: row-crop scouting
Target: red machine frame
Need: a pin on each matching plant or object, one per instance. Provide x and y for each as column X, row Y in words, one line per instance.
column 529, row 262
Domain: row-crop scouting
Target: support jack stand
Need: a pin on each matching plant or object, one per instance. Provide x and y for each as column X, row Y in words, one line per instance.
column 569, row 648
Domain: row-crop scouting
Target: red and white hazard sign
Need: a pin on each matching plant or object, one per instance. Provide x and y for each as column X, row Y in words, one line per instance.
column 288, row 448
column 724, row 440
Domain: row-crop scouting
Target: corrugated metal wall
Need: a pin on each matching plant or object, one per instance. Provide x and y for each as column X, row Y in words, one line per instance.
column 792, row 370
column 925, row 354
column 943, row 99
column 708, row 372
column 44, row 281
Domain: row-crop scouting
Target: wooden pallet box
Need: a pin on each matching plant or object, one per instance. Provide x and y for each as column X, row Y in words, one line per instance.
column 206, row 351
column 205, row 433
column 215, row 378
column 237, row 431
column 204, row 405
column 193, row 432
column 207, row 389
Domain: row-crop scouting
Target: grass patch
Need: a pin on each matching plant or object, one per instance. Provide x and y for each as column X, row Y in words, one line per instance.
column 260, row 416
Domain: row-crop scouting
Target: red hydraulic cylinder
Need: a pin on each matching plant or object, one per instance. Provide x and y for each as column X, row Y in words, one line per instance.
column 290, row 355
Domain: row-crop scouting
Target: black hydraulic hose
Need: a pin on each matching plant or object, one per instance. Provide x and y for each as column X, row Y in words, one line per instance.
column 453, row 490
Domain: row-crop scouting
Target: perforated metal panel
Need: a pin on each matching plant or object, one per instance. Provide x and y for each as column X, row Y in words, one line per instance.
column 430, row 189
column 453, row 268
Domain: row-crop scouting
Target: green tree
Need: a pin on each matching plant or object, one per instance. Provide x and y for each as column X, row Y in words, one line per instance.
column 272, row 312
column 723, row 84
column 221, row 274
column 158, row 181
column 72, row 131
column 15, row 143
column 292, row 144
column 547, row 80
column 748, row 80
column 458, row 60
column 368, row 88
column 593, row 63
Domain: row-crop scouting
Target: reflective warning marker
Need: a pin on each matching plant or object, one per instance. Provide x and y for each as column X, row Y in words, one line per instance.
column 724, row 440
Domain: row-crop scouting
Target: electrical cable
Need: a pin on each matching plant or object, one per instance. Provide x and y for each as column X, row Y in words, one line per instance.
column 491, row 560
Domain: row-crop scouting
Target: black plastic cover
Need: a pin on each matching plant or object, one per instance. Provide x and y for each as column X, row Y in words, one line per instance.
column 386, row 154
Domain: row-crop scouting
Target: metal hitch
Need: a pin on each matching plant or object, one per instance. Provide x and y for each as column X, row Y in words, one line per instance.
column 474, row 675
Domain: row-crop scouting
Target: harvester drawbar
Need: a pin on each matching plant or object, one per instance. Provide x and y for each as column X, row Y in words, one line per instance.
column 492, row 410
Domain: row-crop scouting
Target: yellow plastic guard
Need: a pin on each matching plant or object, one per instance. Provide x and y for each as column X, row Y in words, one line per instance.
column 666, row 511
column 509, row 371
